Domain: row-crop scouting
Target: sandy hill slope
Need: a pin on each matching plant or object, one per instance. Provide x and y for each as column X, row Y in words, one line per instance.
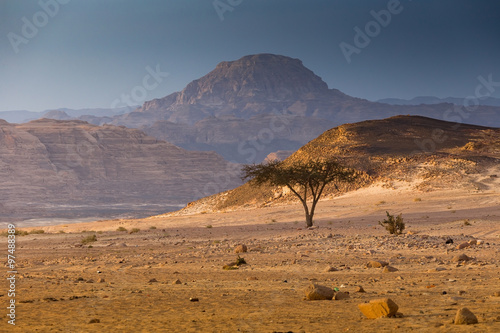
column 57, row 168
column 421, row 153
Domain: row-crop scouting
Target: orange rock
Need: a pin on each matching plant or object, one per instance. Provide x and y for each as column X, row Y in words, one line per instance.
column 384, row 307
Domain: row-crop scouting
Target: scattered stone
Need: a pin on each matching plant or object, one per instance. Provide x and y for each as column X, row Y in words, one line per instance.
column 465, row 317
column 90, row 281
column 473, row 242
column 153, row 280
column 177, row 282
column 399, row 277
column 241, row 248
column 94, row 321
column 460, row 258
column 462, row 246
column 194, row 299
column 376, row 264
column 389, row 269
column 449, row 241
column 480, row 242
column 101, row 280
column 497, row 294
column 50, row 299
column 317, row 292
column 360, row 290
column 378, row 308
column 340, row 295
column 330, row 269
column 252, row 278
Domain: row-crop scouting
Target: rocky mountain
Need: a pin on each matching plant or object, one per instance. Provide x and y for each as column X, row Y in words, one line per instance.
column 418, row 152
column 71, row 168
column 248, row 108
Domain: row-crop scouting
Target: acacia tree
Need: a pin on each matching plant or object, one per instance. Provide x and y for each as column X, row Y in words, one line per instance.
column 303, row 179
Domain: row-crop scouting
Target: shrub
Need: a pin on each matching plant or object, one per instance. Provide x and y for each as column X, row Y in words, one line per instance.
column 395, row 226
column 134, row 230
column 152, row 228
column 121, row 229
column 209, row 226
column 89, row 239
column 37, row 231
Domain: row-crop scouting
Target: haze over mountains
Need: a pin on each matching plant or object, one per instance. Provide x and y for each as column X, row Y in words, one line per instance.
column 256, row 105
column 491, row 101
column 259, row 104
column 22, row 116
column 52, row 168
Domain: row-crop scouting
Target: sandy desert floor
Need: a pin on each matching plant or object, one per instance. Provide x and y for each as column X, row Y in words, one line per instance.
column 125, row 281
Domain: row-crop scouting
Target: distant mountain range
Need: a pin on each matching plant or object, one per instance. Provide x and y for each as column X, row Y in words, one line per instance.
column 259, row 104
column 23, row 116
column 254, row 106
column 491, row 101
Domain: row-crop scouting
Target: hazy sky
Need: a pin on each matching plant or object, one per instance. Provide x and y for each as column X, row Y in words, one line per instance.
column 87, row 53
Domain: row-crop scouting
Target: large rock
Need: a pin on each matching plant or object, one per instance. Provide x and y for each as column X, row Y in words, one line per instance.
column 377, row 308
column 240, row 248
column 465, row 317
column 389, row 269
column 376, row 264
column 460, row 258
column 316, row 292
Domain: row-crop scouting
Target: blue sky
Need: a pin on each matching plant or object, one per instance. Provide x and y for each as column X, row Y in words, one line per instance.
column 87, row 53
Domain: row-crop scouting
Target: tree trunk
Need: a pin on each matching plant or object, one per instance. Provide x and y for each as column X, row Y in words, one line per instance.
column 309, row 220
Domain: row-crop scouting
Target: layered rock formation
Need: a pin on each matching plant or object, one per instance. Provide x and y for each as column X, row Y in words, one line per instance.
column 47, row 165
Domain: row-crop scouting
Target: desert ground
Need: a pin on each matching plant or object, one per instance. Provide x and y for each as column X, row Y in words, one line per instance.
column 169, row 276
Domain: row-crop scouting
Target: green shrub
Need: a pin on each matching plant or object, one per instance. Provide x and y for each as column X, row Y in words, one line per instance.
column 89, row 239
column 134, row 230
column 21, row 232
column 209, row 226
column 395, row 226
column 152, row 228
column 121, row 229
column 36, row 231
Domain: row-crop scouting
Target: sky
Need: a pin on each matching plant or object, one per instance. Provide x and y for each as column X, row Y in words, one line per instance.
column 91, row 53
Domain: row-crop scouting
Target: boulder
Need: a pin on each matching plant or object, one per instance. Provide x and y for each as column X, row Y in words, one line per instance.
column 465, row 317
column 316, row 292
column 340, row 295
column 330, row 269
column 377, row 308
column 462, row 246
column 241, row 248
column 461, row 257
column 376, row 264
column 389, row 269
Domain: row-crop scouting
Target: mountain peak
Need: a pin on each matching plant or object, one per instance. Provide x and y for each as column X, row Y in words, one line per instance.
column 266, row 77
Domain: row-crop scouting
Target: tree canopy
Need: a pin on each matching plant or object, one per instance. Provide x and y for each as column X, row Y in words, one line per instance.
column 304, row 179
